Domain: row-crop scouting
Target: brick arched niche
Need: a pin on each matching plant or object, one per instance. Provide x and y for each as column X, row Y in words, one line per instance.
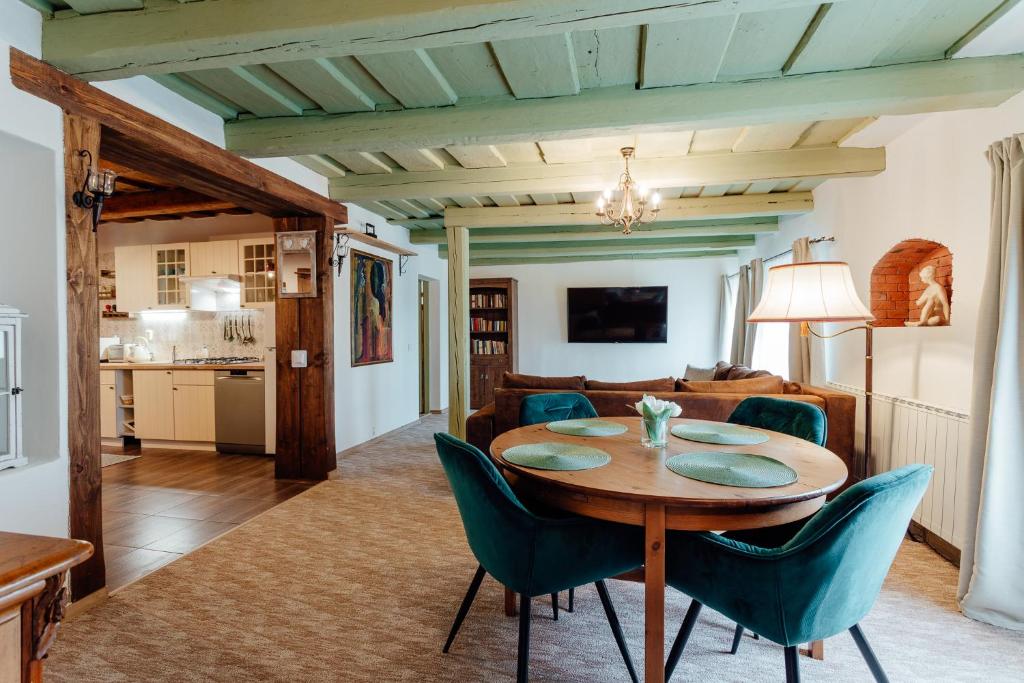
column 896, row 283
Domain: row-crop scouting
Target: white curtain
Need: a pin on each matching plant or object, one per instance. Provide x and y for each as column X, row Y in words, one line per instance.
column 992, row 560
column 748, row 294
column 800, row 346
column 725, row 316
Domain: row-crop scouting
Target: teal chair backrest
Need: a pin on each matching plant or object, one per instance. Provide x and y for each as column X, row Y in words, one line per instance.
column 538, row 408
column 796, row 418
column 500, row 530
column 830, row 574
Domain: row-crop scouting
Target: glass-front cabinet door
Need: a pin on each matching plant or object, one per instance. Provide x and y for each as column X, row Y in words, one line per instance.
column 10, row 389
column 256, row 263
column 171, row 262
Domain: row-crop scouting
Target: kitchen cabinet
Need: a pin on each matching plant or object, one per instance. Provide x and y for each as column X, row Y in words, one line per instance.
column 108, row 411
column 256, row 266
column 136, row 286
column 154, row 404
column 193, row 405
column 213, row 258
column 171, row 263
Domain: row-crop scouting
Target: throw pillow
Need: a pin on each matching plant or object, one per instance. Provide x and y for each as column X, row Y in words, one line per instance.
column 743, row 372
column 757, row 385
column 665, row 384
column 722, row 369
column 512, row 380
column 695, row 374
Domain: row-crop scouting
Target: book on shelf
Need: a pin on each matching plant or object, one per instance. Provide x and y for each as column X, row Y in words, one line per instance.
column 488, row 301
column 485, row 325
column 488, row 347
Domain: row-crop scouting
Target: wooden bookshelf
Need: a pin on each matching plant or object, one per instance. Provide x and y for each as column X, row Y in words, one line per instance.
column 493, row 336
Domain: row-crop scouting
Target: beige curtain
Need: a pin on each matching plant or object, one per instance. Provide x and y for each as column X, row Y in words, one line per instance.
column 725, row 315
column 992, row 559
column 748, row 294
column 799, row 346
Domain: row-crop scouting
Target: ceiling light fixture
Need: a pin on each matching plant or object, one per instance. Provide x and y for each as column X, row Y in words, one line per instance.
column 628, row 204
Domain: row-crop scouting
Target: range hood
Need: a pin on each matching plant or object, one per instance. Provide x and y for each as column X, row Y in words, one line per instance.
column 214, row 292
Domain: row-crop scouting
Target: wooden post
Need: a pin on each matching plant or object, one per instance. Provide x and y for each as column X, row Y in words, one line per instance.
column 85, row 509
column 305, row 396
column 654, row 592
column 458, row 329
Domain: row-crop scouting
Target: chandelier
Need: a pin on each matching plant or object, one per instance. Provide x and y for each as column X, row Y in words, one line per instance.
column 628, row 204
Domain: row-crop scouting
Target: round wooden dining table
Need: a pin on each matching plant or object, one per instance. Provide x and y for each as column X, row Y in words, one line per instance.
column 637, row 488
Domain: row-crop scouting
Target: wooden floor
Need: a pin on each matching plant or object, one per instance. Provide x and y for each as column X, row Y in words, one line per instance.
column 169, row 502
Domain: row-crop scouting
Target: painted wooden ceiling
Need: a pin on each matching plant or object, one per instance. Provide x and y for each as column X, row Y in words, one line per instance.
column 378, row 120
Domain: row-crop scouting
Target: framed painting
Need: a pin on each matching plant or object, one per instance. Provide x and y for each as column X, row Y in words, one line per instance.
column 372, row 314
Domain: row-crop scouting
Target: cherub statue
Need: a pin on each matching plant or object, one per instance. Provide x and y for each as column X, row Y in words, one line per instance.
column 933, row 302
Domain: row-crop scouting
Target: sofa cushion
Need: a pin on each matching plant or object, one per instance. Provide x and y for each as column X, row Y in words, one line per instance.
column 772, row 384
column 663, row 384
column 698, row 374
column 512, row 380
column 729, row 371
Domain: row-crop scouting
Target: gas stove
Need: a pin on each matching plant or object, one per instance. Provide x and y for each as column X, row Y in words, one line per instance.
column 223, row 360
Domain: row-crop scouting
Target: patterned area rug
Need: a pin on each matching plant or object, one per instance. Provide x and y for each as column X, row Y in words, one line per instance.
column 108, row 459
column 358, row 580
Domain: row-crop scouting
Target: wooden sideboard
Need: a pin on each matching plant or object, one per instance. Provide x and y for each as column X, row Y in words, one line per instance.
column 33, row 596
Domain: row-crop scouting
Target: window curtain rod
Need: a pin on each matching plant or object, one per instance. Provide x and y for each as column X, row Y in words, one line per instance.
column 816, row 240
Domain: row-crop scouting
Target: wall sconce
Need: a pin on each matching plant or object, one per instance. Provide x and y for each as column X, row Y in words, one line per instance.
column 98, row 185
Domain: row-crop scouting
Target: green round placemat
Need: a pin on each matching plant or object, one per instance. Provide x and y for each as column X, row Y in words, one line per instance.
column 556, row 456
column 719, row 433
column 587, row 427
column 732, row 469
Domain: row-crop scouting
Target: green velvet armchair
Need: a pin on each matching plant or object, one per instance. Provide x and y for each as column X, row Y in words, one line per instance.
column 538, row 408
column 529, row 554
column 820, row 583
column 796, row 418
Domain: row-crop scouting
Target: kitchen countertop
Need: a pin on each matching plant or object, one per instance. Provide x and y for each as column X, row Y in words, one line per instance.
column 179, row 366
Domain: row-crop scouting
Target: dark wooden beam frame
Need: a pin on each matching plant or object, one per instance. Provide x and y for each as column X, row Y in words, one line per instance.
column 160, row 203
column 96, row 121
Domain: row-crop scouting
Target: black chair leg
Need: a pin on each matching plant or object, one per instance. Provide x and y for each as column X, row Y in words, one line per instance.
column 736, row 639
column 572, row 600
column 680, row 642
column 613, row 621
column 868, row 654
column 467, row 602
column 554, row 605
column 523, row 659
column 792, row 665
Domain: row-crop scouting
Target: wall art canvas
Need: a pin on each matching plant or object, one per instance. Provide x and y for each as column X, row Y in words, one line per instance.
column 372, row 314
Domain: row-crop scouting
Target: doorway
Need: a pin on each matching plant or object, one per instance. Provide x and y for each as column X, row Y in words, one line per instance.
column 424, row 345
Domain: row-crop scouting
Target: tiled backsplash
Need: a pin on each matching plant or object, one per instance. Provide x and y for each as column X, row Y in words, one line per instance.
column 190, row 331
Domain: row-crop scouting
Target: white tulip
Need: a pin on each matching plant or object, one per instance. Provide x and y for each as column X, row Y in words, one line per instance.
column 658, row 407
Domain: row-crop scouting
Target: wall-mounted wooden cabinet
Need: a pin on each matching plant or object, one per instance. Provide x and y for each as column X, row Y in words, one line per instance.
column 136, row 283
column 256, row 265
column 213, row 258
column 170, row 264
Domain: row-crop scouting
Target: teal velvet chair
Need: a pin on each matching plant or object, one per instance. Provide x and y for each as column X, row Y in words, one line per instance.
column 796, row 418
column 820, row 583
column 529, row 554
column 538, row 408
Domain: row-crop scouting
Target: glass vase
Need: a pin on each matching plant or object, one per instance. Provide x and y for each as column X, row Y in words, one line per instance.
column 655, row 434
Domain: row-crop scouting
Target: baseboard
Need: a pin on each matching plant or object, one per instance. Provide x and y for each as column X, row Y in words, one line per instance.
column 944, row 548
column 80, row 607
column 179, row 445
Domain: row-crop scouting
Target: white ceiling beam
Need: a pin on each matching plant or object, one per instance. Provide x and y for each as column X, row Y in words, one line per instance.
column 150, row 40
column 621, row 255
column 896, row 89
column 558, row 233
column 694, row 170
column 696, row 208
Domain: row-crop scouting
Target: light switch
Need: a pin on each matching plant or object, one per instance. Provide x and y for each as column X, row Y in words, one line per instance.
column 299, row 359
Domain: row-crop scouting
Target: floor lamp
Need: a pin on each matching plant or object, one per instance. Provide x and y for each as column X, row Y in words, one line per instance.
column 820, row 291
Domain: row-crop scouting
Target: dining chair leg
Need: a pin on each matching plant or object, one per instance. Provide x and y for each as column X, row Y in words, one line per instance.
column 613, row 621
column 467, row 602
column 868, row 654
column 792, row 665
column 736, row 639
column 523, row 659
column 680, row 642
column 554, row 605
column 572, row 600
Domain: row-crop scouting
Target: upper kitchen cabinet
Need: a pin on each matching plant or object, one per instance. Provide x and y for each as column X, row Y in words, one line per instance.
column 171, row 263
column 213, row 258
column 256, row 266
column 136, row 285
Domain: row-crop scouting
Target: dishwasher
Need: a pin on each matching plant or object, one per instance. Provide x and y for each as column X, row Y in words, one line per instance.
column 239, row 405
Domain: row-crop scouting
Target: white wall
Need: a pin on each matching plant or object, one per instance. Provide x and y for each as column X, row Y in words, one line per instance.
column 373, row 399
column 936, row 186
column 693, row 296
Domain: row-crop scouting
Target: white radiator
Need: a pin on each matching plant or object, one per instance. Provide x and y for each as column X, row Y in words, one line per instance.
column 905, row 431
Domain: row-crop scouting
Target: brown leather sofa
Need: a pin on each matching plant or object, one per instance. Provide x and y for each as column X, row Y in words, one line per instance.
column 615, row 399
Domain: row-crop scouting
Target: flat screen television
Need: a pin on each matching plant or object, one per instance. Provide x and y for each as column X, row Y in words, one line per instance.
column 618, row 315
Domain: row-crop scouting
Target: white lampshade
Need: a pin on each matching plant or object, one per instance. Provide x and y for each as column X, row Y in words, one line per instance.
column 810, row 292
